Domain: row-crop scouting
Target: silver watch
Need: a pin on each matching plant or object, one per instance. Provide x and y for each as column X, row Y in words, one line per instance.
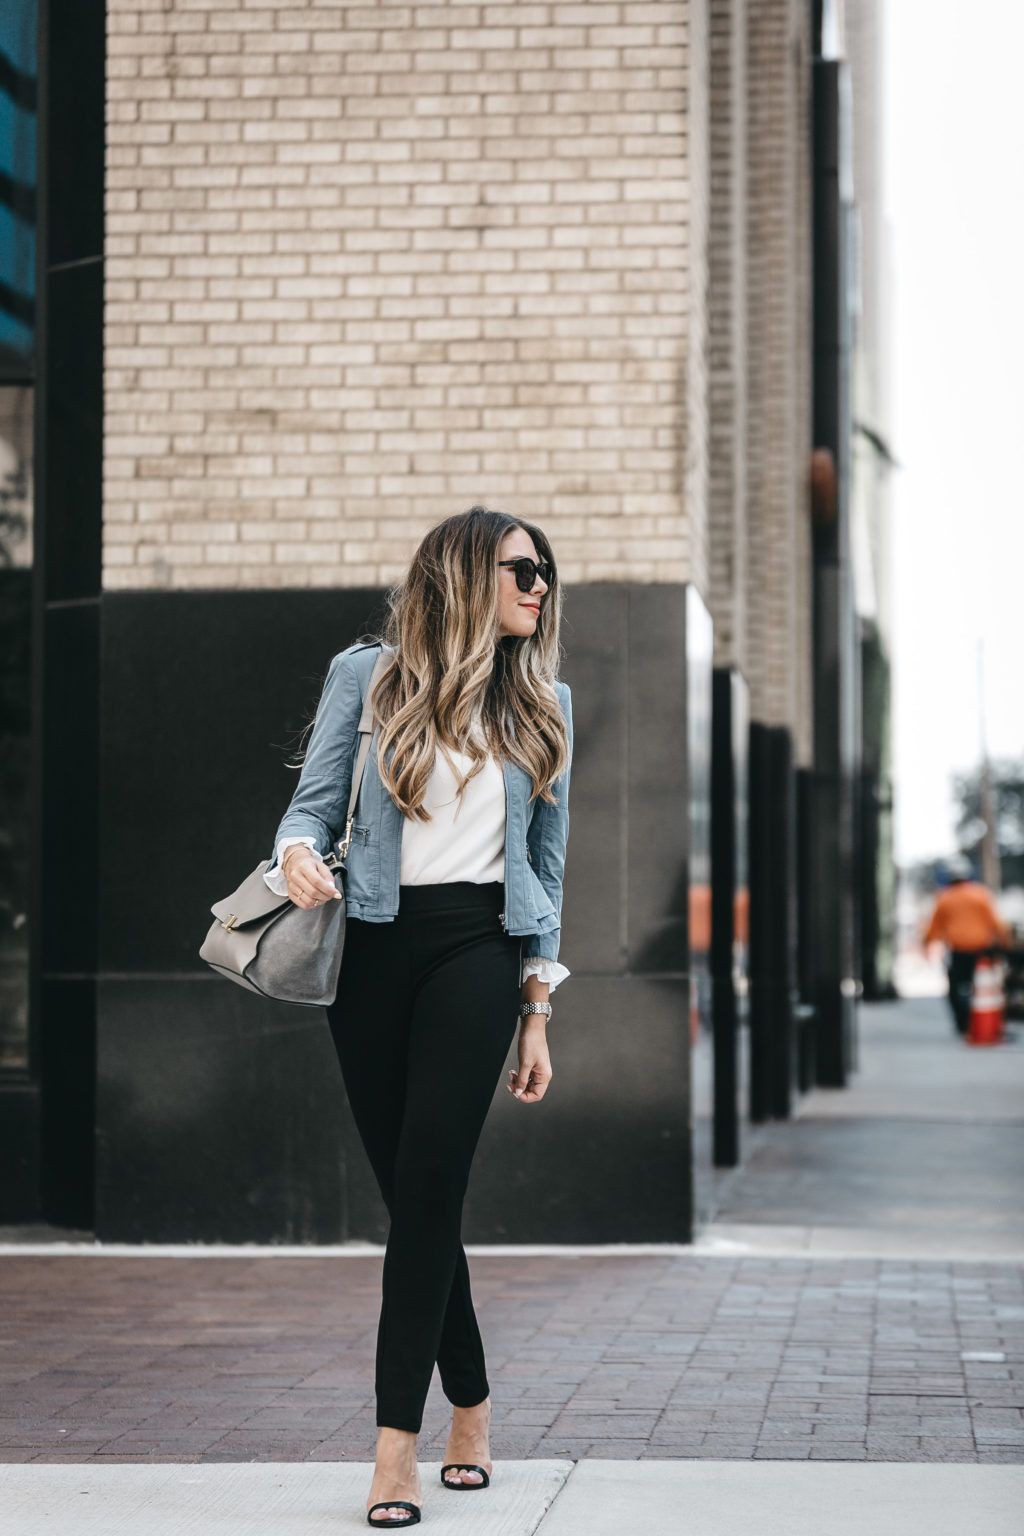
column 525, row 1008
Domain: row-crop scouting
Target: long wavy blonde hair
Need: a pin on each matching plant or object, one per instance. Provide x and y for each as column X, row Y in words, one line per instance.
column 454, row 682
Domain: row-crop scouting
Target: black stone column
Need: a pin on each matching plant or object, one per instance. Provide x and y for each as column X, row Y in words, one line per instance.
column 835, row 644
column 730, row 908
column 66, row 601
column 773, row 991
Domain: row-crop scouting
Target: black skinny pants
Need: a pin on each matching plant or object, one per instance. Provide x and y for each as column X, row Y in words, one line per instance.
column 426, row 1010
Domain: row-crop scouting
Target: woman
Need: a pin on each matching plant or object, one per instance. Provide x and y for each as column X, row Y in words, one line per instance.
column 453, row 891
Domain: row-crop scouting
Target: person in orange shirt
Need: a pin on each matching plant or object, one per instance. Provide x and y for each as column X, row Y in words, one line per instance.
column 965, row 919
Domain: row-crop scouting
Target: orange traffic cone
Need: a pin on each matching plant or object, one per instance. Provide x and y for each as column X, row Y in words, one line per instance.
column 988, row 1004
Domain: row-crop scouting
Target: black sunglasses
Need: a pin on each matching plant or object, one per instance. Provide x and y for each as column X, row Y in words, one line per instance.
column 528, row 570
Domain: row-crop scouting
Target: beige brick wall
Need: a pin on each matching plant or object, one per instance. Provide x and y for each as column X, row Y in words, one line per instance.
column 800, row 261
column 727, row 300
column 871, row 479
column 779, row 380
column 695, row 424
column 368, row 264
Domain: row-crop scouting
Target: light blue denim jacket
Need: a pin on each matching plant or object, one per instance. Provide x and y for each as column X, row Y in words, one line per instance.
column 535, row 838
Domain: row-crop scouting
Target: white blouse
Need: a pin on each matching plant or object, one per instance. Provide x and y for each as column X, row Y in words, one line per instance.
column 464, row 840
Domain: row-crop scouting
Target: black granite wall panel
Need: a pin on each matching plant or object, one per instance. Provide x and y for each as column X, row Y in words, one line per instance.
column 222, row 1116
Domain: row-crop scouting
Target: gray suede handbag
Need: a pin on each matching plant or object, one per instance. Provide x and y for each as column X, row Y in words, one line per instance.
column 265, row 942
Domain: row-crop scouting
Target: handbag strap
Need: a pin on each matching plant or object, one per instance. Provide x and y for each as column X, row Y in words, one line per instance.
column 366, row 728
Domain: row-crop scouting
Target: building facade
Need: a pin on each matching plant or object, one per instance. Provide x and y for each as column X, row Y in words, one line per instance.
column 310, row 278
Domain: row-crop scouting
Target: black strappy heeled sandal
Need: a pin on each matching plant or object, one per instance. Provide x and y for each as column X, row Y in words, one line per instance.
column 464, row 1466
column 391, row 1524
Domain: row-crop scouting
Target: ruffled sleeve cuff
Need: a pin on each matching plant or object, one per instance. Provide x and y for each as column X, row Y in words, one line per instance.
column 551, row 971
column 275, row 875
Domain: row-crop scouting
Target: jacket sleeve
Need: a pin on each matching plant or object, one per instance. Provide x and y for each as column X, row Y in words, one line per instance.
column 318, row 806
column 547, row 837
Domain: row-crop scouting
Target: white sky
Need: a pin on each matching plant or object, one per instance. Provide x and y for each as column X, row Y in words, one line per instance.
column 955, row 170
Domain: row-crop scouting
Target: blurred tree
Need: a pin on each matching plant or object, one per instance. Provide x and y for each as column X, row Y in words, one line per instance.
column 1007, row 776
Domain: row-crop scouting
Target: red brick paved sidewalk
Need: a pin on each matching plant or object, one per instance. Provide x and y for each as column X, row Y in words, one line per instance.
column 701, row 1354
column 233, row 1359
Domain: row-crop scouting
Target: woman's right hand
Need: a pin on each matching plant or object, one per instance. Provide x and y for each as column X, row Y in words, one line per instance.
column 309, row 881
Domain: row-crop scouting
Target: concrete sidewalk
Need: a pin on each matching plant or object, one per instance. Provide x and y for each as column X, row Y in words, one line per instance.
column 556, row 1498
column 921, row 1156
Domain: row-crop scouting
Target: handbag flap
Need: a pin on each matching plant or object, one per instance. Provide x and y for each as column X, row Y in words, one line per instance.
column 251, row 901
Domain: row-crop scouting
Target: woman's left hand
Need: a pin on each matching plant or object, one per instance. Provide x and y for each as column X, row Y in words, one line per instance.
column 530, row 1083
